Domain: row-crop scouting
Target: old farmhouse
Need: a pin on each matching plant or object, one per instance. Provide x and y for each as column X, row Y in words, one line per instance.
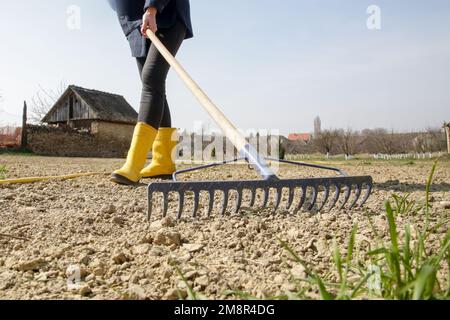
column 85, row 122
column 90, row 109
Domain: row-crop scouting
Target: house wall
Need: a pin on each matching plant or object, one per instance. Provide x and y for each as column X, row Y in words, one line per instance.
column 81, row 124
column 117, row 132
column 106, row 140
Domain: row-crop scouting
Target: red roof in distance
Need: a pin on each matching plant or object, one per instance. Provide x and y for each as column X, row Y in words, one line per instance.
column 300, row 136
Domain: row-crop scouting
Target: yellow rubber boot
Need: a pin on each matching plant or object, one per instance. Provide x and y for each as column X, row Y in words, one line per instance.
column 163, row 165
column 143, row 138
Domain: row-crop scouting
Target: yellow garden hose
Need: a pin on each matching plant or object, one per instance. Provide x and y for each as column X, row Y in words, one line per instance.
column 40, row 179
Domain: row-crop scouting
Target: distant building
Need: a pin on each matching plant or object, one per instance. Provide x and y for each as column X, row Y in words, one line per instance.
column 85, row 122
column 81, row 108
column 305, row 137
column 317, row 127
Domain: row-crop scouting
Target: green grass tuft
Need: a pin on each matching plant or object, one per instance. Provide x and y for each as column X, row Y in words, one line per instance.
column 192, row 295
column 402, row 206
column 3, row 171
column 400, row 269
column 18, row 152
column 397, row 266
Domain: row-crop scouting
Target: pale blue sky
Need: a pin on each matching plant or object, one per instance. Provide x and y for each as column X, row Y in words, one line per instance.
column 272, row 65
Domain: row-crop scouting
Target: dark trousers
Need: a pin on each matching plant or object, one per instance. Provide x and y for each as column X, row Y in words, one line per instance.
column 153, row 68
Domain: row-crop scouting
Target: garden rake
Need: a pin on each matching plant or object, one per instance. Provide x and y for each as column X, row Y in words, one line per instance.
column 300, row 193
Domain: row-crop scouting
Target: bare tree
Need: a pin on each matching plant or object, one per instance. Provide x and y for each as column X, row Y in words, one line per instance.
column 371, row 141
column 432, row 140
column 438, row 139
column 326, row 141
column 422, row 143
column 385, row 141
column 348, row 141
column 43, row 100
column 404, row 142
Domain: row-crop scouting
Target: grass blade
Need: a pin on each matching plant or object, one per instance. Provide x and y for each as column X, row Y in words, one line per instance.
column 348, row 261
column 407, row 253
column 393, row 255
column 322, row 290
column 422, row 282
column 337, row 260
column 191, row 293
column 294, row 255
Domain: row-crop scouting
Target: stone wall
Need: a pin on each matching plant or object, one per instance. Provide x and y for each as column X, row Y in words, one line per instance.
column 105, row 140
column 113, row 132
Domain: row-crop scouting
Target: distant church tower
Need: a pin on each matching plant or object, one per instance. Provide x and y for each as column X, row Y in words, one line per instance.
column 317, row 127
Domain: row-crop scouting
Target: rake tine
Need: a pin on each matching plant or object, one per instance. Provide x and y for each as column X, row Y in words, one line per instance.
column 238, row 200
column 224, row 202
column 369, row 191
column 196, row 203
column 180, row 205
column 314, row 198
column 347, row 196
column 291, row 198
column 336, row 196
column 252, row 197
column 278, row 198
column 150, row 205
column 211, row 203
column 325, row 197
column 302, row 199
column 357, row 196
column 165, row 204
column 264, row 196
column 315, row 195
column 266, row 193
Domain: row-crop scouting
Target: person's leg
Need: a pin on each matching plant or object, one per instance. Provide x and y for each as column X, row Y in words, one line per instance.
column 154, row 75
column 163, row 157
column 140, row 63
column 163, row 164
column 143, row 139
column 166, row 121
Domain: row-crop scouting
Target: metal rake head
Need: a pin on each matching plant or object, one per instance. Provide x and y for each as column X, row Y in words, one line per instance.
column 296, row 194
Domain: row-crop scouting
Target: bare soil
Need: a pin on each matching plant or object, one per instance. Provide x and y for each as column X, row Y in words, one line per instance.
column 47, row 229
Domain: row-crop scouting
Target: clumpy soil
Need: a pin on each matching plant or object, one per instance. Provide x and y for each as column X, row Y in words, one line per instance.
column 96, row 232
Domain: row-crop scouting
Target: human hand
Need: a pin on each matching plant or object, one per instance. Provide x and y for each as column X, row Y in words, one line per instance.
column 149, row 21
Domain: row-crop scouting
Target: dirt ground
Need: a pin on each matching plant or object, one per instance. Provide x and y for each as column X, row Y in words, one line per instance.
column 52, row 230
